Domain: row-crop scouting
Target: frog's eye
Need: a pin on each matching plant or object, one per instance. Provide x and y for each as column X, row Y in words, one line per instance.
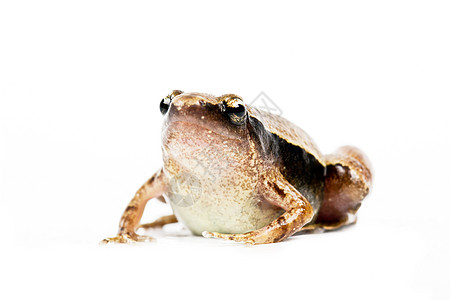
column 165, row 104
column 235, row 110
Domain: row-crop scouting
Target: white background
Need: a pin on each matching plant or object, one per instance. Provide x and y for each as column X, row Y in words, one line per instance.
column 80, row 86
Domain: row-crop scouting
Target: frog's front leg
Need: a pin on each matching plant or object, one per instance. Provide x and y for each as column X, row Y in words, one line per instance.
column 278, row 191
column 132, row 215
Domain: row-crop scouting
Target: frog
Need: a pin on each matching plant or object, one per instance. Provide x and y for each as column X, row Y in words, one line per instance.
column 236, row 172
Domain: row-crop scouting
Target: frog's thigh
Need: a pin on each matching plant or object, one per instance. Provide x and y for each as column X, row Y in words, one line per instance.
column 278, row 191
column 348, row 181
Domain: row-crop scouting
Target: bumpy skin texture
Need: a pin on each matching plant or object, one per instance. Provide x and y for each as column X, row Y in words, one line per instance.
column 234, row 172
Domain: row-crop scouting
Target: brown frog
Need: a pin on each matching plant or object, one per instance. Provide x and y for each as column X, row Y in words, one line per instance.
column 235, row 172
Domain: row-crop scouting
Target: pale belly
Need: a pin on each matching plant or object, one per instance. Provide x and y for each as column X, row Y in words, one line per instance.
column 218, row 209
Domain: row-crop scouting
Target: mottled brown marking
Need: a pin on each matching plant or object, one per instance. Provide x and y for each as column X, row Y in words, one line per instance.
column 151, row 180
column 130, row 208
column 281, row 220
column 280, row 192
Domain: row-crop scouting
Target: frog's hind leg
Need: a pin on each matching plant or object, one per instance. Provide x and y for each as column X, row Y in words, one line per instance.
column 160, row 222
column 348, row 181
column 321, row 227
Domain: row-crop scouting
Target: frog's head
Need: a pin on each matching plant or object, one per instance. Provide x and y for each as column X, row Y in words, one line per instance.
column 201, row 128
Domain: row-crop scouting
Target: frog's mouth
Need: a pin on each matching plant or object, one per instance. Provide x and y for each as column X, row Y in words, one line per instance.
column 197, row 131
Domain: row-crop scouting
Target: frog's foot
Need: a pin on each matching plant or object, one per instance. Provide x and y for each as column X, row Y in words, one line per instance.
column 160, row 222
column 265, row 235
column 321, row 227
column 127, row 238
column 242, row 238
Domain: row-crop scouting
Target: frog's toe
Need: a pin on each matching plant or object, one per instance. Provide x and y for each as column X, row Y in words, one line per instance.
column 241, row 238
column 145, row 239
column 127, row 238
column 116, row 240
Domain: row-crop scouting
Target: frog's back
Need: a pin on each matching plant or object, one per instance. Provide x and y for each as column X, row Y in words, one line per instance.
column 299, row 159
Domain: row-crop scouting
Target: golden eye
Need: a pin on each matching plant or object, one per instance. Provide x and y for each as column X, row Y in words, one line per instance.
column 235, row 110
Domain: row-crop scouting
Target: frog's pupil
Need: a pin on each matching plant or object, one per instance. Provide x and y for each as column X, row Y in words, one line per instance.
column 239, row 110
column 236, row 114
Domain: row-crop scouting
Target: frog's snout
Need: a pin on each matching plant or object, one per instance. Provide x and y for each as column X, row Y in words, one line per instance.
column 189, row 100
